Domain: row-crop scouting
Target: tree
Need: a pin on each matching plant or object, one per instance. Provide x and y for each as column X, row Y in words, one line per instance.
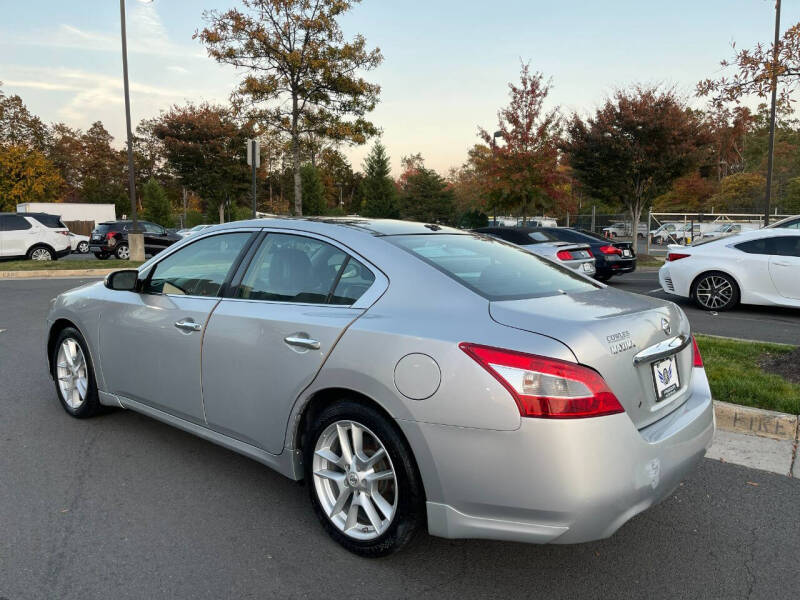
column 689, row 193
column 314, row 190
column 425, row 195
column 155, row 204
column 377, row 187
column 739, row 192
column 26, row 176
column 791, row 203
column 302, row 76
column 755, row 70
column 523, row 170
column 18, row 126
column 205, row 146
column 66, row 153
column 635, row 146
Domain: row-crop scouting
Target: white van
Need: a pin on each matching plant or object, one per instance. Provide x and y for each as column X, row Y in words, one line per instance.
column 36, row 236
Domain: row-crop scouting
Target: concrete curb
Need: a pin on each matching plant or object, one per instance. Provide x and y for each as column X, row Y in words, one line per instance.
column 55, row 273
column 756, row 421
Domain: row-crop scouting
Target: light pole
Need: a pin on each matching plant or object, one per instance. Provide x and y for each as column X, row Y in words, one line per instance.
column 771, row 149
column 135, row 238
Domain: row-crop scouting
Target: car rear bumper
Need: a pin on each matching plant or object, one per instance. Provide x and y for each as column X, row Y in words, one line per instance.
column 618, row 267
column 557, row 481
column 585, row 266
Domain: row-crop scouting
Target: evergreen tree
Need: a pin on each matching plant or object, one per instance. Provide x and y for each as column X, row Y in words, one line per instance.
column 156, row 204
column 426, row 197
column 313, row 191
column 377, row 188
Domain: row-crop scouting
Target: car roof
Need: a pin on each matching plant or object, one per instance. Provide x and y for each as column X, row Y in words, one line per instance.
column 778, row 224
column 375, row 227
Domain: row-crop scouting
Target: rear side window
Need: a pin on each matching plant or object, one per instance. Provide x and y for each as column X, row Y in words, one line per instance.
column 14, row 223
column 760, row 246
column 292, row 268
column 51, row 221
column 355, row 280
column 495, row 270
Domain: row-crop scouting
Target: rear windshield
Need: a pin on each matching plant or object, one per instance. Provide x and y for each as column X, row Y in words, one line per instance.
column 542, row 236
column 51, row 221
column 492, row 268
column 106, row 227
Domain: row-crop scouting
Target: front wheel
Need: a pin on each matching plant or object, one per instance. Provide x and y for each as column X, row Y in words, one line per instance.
column 715, row 291
column 362, row 480
column 74, row 375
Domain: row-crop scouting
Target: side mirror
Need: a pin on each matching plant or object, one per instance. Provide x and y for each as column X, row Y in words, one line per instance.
column 126, row 280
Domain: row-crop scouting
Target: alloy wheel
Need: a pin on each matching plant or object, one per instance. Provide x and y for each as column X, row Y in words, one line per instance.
column 72, row 373
column 714, row 292
column 83, row 247
column 354, row 480
column 123, row 253
column 41, row 254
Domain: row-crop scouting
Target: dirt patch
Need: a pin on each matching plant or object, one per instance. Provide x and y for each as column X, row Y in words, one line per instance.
column 785, row 365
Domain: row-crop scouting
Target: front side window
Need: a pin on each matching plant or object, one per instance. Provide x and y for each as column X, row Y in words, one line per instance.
column 198, row 269
column 293, row 268
column 14, row 223
column 787, row 246
column 495, row 270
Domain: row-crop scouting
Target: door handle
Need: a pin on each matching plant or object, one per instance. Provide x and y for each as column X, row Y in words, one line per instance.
column 302, row 342
column 781, row 264
column 187, row 325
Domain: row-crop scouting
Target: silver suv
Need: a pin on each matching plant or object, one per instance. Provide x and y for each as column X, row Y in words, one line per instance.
column 36, row 236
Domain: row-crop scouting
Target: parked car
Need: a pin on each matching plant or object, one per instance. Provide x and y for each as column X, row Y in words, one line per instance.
column 624, row 229
column 193, row 230
column 414, row 375
column 78, row 243
column 610, row 258
column 664, row 234
column 721, row 229
column 787, row 223
column 754, row 267
column 577, row 257
column 111, row 238
column 36, row 236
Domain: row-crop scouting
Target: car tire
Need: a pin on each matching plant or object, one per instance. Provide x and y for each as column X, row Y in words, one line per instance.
column 73, row 374
column 122, row 252
column 41, row 253
column 83, row 247
column 101, row 255
column 345, row 498
column 716, row 291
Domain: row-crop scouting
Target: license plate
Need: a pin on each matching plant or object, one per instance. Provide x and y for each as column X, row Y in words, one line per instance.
column 588, row 268
column 627, row 253
column 665, row 375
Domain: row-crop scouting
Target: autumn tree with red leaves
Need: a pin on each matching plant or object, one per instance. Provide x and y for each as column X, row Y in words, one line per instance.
column 522, row 170
column 635, row 146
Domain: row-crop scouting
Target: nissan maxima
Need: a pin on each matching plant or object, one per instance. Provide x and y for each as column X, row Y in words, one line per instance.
column 414, row 376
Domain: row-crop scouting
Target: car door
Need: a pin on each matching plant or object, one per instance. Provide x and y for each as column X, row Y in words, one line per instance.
column 266, row 343
column 784, row 266
column 154, row 237
column 151, row 340
column 17, row 235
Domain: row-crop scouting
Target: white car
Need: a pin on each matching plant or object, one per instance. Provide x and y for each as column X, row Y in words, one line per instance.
column 622, row 229
column 787, row 223
column 721, row 229
column 664, row 233
column 79, row 243
column 193, row 230
column 754, row 267
column 36, row 236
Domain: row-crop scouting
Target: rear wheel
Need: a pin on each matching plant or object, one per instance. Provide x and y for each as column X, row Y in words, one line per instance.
column 40, row 253
column 83, row 247
column 74, row 375
column 362, row 480
column 101, row 255
column 122, row 252
column 715, row 291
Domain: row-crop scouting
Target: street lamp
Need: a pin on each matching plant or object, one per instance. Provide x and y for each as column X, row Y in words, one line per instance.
column 771, row 149
column 135, row 237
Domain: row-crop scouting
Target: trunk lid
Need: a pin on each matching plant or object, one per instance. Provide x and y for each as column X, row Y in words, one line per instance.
column 605, row 329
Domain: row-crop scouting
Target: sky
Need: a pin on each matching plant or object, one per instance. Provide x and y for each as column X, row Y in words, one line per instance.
column 447, row 63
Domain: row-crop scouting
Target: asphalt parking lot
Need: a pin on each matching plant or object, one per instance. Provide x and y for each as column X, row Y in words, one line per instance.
column 122, row 506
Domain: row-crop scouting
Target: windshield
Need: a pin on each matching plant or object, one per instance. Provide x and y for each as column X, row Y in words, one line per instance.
column 491, row 268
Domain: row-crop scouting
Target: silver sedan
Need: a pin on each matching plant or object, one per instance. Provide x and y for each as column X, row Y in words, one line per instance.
column 413, row 375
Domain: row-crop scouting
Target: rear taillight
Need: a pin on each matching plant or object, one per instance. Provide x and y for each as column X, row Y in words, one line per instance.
column 546, row 387
column 610, row 250
column 564, row 255
column 673, row 256
column 63, row 232
column 697, row 360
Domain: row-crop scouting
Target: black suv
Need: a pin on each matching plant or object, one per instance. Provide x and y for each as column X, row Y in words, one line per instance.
column 112, row 238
